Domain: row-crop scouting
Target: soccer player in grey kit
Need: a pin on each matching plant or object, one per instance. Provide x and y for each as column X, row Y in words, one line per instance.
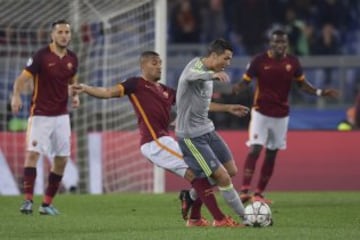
column 203, row 149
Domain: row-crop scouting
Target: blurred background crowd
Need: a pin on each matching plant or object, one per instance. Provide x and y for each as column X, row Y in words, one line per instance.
column 315, row 27
column 326, row 29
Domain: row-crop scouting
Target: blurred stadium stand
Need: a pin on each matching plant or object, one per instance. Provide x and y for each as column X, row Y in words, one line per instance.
column 325, row 34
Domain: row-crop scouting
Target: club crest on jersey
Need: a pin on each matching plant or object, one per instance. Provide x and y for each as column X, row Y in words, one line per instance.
column 29, row 62
column 288, row 67
column 166, row 94
column 69, row 66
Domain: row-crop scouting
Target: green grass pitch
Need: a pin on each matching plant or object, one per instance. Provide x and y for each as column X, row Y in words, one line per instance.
column 297, row 215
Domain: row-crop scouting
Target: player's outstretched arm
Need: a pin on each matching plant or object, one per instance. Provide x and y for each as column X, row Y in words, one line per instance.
column 308, row 88
column 235, row 109
column 98, row 92
column 19, row 87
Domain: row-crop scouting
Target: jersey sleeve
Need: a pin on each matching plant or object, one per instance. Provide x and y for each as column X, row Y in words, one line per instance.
column 299, row 72
column 250, row 72
column 33, row 64
column 196, row 71
column 128, row 86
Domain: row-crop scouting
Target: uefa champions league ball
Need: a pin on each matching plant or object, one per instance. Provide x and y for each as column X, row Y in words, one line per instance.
column 258, row 214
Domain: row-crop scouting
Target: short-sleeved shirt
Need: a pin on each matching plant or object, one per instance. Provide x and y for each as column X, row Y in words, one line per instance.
column 152, row 103
column 274, row 78
column 52, row 76
column 194, row 92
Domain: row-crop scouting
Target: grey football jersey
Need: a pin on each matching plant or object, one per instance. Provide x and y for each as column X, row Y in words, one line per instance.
column 193, row 96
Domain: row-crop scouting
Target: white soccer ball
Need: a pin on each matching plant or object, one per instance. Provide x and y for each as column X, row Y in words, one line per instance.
column 258, row 214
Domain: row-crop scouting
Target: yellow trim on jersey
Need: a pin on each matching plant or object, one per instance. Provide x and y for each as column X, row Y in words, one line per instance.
column 151, row 130
column 246, row 77
column 29, row 74
column 301, row 78
column 199, row 158
column 121, row 90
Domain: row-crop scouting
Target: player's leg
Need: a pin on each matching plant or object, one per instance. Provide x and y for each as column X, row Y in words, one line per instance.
column 258, row 134
column 60, row 148
column 276, row 140
column 31, row 159
column 166, row 153
column 201, row 159
column 223, row 154
column 37, row 142
column 265, row 175
column 249, row 170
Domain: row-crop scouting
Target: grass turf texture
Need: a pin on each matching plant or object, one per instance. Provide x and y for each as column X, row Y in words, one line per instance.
column 297, row 215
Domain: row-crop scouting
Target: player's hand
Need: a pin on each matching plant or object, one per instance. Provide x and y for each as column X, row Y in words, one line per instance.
column 333, row 93
column 77, row 88
column 221, row 76
column 75, row 101
column 16, row 104
column 237, row 110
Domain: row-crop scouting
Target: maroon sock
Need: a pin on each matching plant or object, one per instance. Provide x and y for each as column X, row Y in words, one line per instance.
column 266, row 171
column 53, row 185
column 29, row 182
column 196, row 209
column 206, row 194
column 249, row 168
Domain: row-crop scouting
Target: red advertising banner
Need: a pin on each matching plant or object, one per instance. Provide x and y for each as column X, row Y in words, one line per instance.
column 313, row 160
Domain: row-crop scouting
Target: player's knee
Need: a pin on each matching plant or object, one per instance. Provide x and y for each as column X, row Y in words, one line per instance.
column 255, row 150
column 222, row 177
column 233, row 171
column 59, row 165
column 31, row 159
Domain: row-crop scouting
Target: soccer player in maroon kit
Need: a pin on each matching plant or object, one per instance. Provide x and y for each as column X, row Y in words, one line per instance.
column 52, row 69
column 274, row 70
column 152, row 102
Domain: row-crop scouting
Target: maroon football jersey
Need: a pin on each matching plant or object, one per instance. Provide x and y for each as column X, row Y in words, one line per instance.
column 274, row 78
column 152, row 103
column 52, row 76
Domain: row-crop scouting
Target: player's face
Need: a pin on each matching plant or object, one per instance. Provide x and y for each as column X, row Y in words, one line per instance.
column 152, row 68
column 221, row 61
column 278, row 44
column 61, row 35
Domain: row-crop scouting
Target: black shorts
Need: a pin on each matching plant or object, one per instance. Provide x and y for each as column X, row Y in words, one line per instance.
column 204, row 154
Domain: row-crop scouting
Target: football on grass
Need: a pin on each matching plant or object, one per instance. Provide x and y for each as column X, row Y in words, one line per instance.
column 258, row 214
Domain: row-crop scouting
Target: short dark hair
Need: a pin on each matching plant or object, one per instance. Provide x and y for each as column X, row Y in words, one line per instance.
column 278, row 32
column 147, row 54
column 60, row 21
column 219, row 46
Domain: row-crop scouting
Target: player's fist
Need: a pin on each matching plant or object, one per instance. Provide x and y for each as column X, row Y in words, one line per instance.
column 221, row 76
column 333, row 93
column 16, row 104
column 77, row 88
